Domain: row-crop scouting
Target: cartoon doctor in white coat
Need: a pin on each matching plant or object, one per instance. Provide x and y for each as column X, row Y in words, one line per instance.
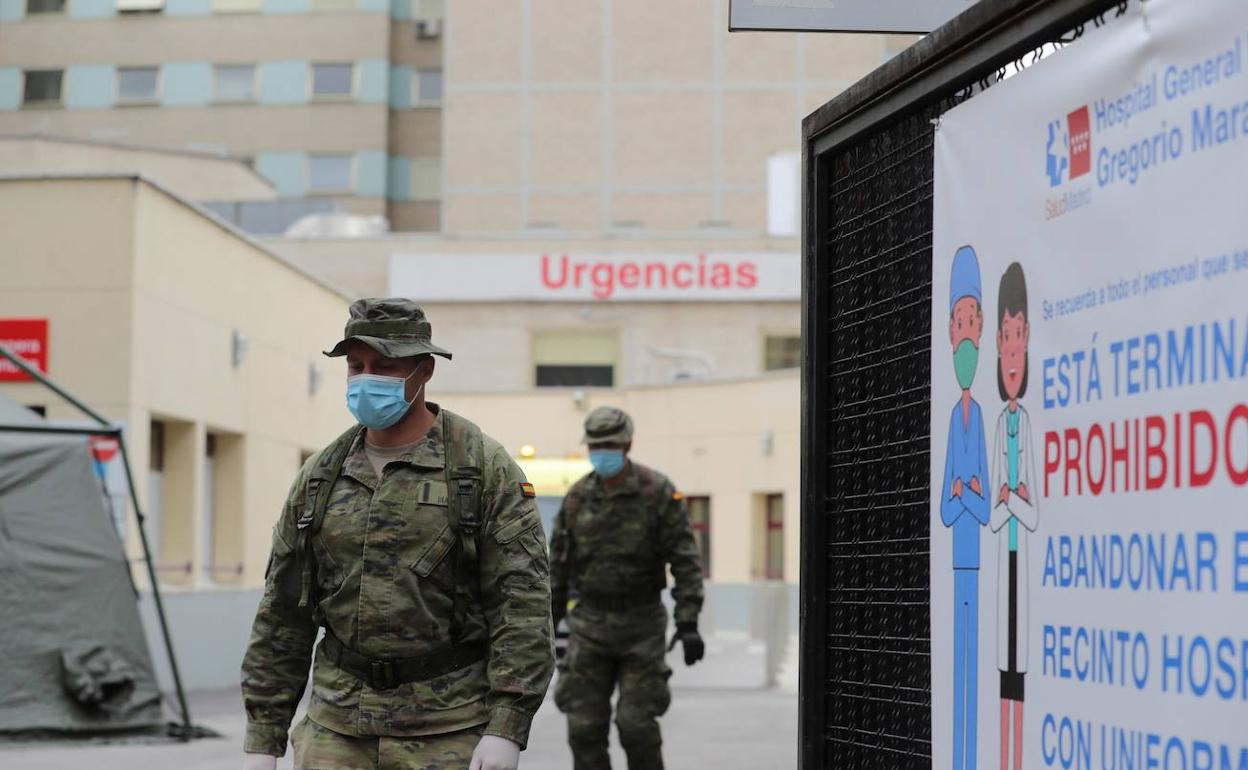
column 1014, row 511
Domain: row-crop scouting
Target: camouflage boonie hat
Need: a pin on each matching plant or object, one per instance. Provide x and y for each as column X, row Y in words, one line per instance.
column 394, row 327
column 608, row 425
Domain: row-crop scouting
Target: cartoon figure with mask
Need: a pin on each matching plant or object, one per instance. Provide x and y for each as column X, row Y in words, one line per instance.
column 1014, row 511
column 964, row 506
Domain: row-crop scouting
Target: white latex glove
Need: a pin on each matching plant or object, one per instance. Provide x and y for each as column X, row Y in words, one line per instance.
column 259, row 762
column 494, row 753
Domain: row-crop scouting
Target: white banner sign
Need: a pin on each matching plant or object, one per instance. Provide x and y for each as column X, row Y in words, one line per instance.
column 843, row 15
column 563, row 277
column 1089, row 433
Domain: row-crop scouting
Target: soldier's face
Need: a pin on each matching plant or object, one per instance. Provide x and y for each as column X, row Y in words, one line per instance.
column 361, row 359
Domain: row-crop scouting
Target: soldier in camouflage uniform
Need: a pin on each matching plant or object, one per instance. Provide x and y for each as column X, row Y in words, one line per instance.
column 618, row 530
column 415, row 542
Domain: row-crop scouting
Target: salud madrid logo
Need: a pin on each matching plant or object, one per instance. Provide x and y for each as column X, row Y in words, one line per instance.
column 1068, row 153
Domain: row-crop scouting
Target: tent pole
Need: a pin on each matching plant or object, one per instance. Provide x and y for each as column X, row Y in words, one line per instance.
column 60, row 430
column 34, row 373
column 188, row 731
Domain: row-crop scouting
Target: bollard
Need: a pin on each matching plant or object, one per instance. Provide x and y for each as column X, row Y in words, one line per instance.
column 769, row 624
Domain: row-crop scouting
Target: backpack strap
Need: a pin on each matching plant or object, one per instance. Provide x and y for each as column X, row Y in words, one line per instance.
column 662, row 498
column 320, row 483
column 653, row 498
column 465, row 476
column 571, row 507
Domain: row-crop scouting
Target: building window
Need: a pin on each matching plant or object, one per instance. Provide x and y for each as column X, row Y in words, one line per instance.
column 137, row 85
column 426, row 179
column 773, row 566
column 329, row 173
column 700, row 520
column 41, row 7
column 333, row 81
column 783, row 353
column 42, row 88
column 140, row 6
column 575, row 359
column 427, row 87
column 429, row 10
column 237, row 6
column 329, row 6
column 235, row 82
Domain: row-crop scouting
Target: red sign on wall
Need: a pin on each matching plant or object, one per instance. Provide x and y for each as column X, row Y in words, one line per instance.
column 28, row 338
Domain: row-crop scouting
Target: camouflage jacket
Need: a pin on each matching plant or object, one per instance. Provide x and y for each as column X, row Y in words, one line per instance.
column 619, row 542
column 385, row 588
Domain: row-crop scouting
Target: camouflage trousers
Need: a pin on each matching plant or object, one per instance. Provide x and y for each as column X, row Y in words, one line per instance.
column 319, row 748
column 606, row 649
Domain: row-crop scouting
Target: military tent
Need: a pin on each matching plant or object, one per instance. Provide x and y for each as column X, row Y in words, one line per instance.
column 74, row 655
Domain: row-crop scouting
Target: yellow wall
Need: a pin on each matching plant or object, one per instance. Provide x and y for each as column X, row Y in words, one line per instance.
column 143, row 294
column 196, row 284
column 708, row 437
column 66, row 257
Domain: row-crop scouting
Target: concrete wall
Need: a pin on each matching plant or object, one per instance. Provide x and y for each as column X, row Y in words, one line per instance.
column 209, row 630
column 603, row 115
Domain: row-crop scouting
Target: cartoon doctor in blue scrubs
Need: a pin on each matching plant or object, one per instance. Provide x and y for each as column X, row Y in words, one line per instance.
column 964, row 504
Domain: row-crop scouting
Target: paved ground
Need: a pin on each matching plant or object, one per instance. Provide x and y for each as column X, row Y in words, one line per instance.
column 721, row 717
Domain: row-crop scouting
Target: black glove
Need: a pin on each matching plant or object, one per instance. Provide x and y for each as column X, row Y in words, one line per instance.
column 558, row 609
column 687, row 634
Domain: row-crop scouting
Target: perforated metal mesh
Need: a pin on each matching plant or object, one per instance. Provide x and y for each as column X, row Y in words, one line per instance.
column 879, row 331
column 872, row 409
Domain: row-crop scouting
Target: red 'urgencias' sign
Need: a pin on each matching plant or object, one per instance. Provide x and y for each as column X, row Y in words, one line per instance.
column 560, row 276
column 606, row 276
column 28, row 338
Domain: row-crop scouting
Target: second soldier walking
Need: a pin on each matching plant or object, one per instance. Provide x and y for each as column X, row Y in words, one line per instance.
column 618, row 531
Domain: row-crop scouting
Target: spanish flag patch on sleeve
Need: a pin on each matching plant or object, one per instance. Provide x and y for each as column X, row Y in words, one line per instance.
column 527, row 490
column 678, row 496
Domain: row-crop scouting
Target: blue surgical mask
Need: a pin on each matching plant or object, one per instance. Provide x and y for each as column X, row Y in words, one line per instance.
column 607, row 462
column 378, row 401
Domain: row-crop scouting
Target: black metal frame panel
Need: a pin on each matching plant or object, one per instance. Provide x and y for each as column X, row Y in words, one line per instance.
column 865, row 684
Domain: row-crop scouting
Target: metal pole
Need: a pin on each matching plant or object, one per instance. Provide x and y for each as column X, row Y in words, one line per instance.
column 110, row 429
column 60, row 430
column 187, row 729
column 38, row 375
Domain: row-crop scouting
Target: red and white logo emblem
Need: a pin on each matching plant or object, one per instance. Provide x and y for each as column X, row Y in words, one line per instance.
column 1079, row 129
